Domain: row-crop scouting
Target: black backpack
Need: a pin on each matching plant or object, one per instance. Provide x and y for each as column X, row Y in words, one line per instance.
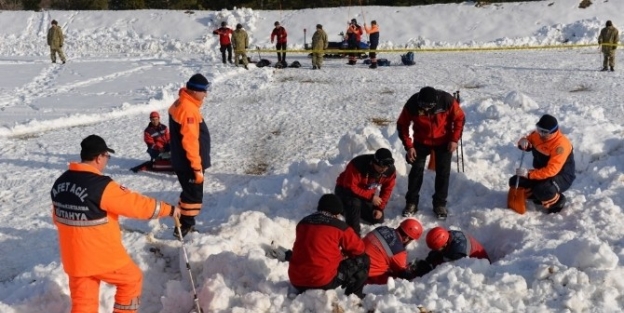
column 295, row 64
column 263, row 63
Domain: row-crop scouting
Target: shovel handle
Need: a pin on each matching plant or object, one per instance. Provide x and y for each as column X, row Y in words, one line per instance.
column 518, row 177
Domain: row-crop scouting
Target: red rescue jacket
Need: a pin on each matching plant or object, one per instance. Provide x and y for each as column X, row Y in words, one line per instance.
column 156, row 137
column 320, row 245
column 280, row 33
column 224, row 35
column 440, row 125
column 361, row 178
column 388, row 257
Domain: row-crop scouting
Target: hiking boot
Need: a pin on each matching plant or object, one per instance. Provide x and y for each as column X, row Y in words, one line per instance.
column 53, row 61
column 410, row 209
column 374, row 65
column 604, row 69
column 230, row 61
column 314, row 67
column 612, row 69
column 184, row 230
column 63, row 62
column 246, row 67
column 558, row 206
column 440, row 212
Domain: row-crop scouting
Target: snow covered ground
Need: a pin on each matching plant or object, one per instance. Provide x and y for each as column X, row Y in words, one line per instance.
column 298, row 128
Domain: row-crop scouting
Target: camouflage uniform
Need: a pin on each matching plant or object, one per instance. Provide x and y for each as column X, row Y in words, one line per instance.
column 240, row 40
column 319, row 43
column 55, row 41
column 609, row 38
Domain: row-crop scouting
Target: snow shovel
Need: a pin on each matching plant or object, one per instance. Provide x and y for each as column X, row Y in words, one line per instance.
column 516, row 197
column 431, row 166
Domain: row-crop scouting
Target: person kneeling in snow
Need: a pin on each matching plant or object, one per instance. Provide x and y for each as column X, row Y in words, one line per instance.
column 156, row 137
column 317, row 260
column 386, row 248
column 553, row 165
column 357, row 187
column 446, row 246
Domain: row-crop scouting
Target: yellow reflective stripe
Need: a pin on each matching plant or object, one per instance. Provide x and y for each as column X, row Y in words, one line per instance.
column 156, row 210
column 81, row 223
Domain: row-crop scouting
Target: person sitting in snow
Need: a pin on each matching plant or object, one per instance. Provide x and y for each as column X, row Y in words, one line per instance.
column 553, row 165
column 357, row 187
column 386, row 248
column 327, row 253
column 156, row 137
column 446, row 246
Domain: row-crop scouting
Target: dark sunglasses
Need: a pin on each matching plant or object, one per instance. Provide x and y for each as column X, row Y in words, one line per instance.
column 384, row 162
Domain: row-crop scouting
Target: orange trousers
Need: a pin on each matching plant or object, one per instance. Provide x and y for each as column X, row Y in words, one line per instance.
column 85, row 291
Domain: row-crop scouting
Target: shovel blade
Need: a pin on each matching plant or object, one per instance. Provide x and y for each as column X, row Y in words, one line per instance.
column 431, row 166
column 516, row 200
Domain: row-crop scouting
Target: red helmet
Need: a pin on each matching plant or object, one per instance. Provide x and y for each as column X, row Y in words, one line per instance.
column 154, row 114
column 437, row 238
column 412, row 228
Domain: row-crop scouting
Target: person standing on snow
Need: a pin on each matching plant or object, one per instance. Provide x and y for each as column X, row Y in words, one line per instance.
column 319, row 43
column 224, row 33
column 240, row 40
column 55, row 41
column 373, row 33
column 447, row 246
column 608, row 39
column 437, row 124
column 156, row 136
column 86, row 206
column 353, row 37
column 386, row 248
column 553, row 165
column 357, row 187
column 327, row 253
column 190, row 148
column 282, row 38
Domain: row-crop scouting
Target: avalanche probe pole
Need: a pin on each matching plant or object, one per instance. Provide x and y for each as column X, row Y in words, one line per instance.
column 461, row 140
column 305, row 41
column 198, row 308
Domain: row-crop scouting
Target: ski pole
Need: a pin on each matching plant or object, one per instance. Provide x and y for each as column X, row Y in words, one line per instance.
column 188, row 265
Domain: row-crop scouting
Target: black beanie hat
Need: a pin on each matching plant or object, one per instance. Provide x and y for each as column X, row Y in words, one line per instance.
column 319, row 26
column 609, row 23
column 330, row 203
column 223, row 24
column 54, row 22
column 239, row 26
column 427, row 94
column 548, row 122
column 353, row 21
column 383, row 157
column 197, row 82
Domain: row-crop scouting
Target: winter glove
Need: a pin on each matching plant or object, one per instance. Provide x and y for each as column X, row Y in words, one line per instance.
column 522, row 172
column 524, row 144
column 279, row 253
column 199, row 176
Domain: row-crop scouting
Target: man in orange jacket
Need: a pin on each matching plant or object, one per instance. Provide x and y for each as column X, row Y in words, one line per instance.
column 190, row 148
column 86, row 206
column 553, row 165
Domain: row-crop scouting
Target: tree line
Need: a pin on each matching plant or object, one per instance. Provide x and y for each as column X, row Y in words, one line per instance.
column 212, row 4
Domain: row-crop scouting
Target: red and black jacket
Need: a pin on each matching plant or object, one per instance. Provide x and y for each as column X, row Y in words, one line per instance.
column 440, row 125
column 361, row 178
column 322, row 241
column 224, row 35
column 156, row 137
column 280, row 33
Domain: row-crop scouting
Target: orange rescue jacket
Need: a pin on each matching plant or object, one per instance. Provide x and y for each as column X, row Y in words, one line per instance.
column 86, row 206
